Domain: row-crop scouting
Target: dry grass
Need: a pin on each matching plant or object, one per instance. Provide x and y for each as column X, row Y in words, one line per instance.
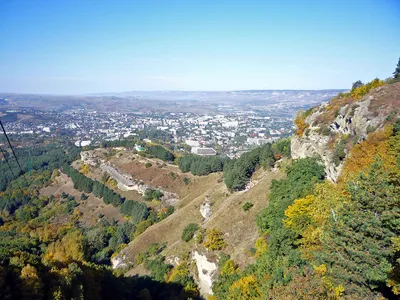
column 238, row 226
column 90, row 208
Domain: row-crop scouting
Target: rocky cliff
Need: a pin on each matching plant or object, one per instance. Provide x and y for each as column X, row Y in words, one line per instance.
column 344, row 121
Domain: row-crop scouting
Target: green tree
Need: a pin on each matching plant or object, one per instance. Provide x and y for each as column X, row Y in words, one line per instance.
column 396, row 72
column 358, row 244
column 357, row 84
column 189, row 231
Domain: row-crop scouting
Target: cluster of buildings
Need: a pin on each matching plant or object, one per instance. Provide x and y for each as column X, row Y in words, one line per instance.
column 197, row 133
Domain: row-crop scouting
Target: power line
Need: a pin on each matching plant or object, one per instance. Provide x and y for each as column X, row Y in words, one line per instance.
column 12, row 149
column 9, row 166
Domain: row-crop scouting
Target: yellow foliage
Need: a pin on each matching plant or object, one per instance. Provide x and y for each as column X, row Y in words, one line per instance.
column 308, row 216
column 363, row 154
column 361, row 91
column 229, row 268
column 112, row 182
column 300, row 123
column 31, row 280
column 261, row 245
column 320, row 270
column 69, row 248
column 246, row 288
column 339, row 290
column 215, row 240
column 84, row 169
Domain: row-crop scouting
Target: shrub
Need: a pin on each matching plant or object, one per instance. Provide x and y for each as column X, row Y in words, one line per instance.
column 148, row 165
column 189, row 231
column 229, row 268
column 154, row 249
column 140, row 258
column 300, row 123
column 151, row 194
column 215, row 240
column 247, row 206
column 339, row 154
column 84, row 196
column 186, row 181
column 158, row 268
column 371, row 129
column 325, row 130
column 141, row 227
column 200, row 235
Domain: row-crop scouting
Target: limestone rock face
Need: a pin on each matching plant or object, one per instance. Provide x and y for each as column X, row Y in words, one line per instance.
column 354, row 120
column 206, row 272
column 205, row 209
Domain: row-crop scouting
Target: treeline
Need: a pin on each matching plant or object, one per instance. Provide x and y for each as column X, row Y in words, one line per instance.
column 127, row 143
column 46, row 157
column 88, row 185
column 237, row 172
column 201, row 165
column 160, row 152
column 155, row 134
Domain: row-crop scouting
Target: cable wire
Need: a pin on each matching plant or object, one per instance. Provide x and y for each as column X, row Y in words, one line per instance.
column 9, row 166
column 13, row 152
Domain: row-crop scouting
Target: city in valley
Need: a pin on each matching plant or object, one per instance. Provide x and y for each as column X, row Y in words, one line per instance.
column 204, row 123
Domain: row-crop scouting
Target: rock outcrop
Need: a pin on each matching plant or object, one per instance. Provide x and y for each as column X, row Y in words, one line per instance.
column 205, row 209
column 206, row 272
column 354, row 120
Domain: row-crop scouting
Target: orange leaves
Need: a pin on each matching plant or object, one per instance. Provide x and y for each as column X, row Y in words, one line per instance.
column 363, row 154
column 300, row 123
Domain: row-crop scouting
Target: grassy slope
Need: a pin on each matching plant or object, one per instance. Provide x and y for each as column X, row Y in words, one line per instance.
column 228, row 215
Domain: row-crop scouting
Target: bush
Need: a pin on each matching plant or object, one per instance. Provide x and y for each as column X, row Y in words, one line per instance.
column 151, row 194
column 186, row 181
column 158, row 268
column 247, row 206
column 325, row 130
column 215, row 240
column 200, row 235
column 141, row 227
column 148, row 165
column 339, row 154
column 189, row 231
column 84, row 196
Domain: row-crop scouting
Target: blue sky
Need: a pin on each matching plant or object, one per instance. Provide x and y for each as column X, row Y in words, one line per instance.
column 84, row 46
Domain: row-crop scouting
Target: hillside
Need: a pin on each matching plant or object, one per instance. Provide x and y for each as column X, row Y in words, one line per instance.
column 330, row 230
column 314, row 217
column 331, row 129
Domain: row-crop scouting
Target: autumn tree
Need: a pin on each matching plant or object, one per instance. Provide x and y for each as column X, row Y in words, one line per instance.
column 215, row 240
column 32, row 286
